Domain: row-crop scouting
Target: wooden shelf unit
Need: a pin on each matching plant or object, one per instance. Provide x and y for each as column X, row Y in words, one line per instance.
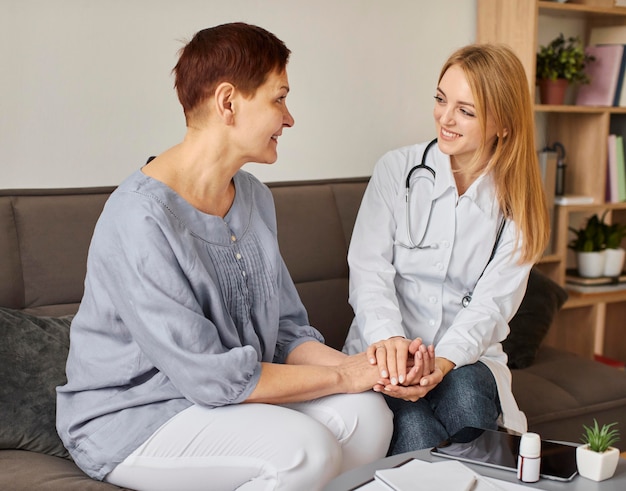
column 588, row 323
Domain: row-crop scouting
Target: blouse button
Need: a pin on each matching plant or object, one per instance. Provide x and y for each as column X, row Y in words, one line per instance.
column 431, row 322
column 439, row 266
column 445, row 244
column 432, row 299
column 238, row 256
column 233, row 238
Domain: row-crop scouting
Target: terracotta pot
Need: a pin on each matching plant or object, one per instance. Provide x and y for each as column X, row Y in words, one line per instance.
column 552, row 91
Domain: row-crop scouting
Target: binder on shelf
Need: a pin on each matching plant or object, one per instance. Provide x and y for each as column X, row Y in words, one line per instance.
column 573, row 199
column 621, row 167
column 547, row 166
column 620, row 90
column 612, row 195
column 604, row 75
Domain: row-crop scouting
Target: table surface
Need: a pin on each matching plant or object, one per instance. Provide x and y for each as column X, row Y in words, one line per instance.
column 352, row 479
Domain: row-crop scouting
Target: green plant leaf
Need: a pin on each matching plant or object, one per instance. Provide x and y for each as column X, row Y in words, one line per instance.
column 599, row 438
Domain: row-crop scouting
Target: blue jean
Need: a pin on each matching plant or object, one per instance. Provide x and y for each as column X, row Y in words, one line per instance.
column 467, row 396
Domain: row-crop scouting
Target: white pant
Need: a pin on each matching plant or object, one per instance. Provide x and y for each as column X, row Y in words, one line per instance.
column 265, row 447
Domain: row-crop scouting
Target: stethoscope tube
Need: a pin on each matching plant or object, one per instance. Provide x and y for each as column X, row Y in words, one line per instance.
column 465, row 301
column 422, row 165
column 407, row 198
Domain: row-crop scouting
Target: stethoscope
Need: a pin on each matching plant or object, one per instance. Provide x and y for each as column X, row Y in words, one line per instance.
column 467, row 298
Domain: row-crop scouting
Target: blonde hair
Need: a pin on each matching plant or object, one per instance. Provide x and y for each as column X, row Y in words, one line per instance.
column 500, row 88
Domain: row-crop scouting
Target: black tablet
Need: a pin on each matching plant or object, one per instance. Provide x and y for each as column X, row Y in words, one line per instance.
column 500, row 449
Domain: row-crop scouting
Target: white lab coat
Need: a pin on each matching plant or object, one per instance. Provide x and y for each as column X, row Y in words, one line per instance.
column 396, row 291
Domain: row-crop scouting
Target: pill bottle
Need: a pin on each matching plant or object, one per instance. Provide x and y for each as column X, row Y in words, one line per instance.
column 529, row 458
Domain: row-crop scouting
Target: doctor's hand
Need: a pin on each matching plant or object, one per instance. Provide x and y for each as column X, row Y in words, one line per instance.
column 423, row 362
column 427, row 383
column 395, row 357
column 414, row 392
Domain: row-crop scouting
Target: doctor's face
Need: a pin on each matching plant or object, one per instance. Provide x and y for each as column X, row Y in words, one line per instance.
column 458, row 129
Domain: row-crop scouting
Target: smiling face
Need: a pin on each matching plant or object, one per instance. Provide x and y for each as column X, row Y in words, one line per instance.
column 260, row 119
column 459, row 130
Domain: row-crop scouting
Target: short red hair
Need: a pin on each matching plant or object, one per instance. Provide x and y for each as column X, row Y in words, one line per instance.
column 238, row 53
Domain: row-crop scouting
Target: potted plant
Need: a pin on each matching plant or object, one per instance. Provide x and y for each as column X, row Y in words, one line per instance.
column 560, row 63
column 597, row 459
column 589, row 245
column 614, row 254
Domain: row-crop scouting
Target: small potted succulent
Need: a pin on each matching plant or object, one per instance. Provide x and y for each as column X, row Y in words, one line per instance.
column 560, row 63
column 597, row 459
column 589, row 245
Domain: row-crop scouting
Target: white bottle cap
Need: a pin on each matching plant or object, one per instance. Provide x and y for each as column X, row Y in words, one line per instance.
column 530, row 445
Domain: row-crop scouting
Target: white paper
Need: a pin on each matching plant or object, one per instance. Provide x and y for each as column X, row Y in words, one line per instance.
column 417, row 474
column 450, row 475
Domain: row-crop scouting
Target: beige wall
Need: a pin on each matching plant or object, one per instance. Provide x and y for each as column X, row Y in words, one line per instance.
column 86, row 91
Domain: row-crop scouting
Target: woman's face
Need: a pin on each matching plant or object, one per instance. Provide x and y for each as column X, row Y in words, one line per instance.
column 458, row 129
column 261, row 119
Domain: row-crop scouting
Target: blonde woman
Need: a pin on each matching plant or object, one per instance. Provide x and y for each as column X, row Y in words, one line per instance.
column 441, row 252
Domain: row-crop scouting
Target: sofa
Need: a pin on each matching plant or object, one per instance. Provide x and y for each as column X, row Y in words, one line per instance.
column 44, row 237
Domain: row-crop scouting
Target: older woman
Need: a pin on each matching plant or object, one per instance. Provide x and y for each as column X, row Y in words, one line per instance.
column 192, row 364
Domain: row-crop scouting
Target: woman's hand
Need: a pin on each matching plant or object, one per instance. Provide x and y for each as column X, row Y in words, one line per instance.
column 402, row 361
column 392, row 356
column 441, row 366
column 357, row 374
column 423, row 362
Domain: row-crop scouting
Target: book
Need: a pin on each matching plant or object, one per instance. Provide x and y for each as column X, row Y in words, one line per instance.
column 547, row 167
column 621, row 167
column 607, row 35
column 595, row 288
column 620, row 89
column 604, row 75
column 572, row 278
column 613, row 35
column 612, row 195
column 573, row 199
column 452, row 475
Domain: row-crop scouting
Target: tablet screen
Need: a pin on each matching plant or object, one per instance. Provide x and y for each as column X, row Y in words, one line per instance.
column 500, row 449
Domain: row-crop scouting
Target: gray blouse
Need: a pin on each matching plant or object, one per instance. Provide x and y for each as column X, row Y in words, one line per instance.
column 180, row 308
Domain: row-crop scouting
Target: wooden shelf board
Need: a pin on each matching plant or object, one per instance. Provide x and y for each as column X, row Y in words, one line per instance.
column 577, row 299
column 578, row 9
column 592, row 208
column 572, row 108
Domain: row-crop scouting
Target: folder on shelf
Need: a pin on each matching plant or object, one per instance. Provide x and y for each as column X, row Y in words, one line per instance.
column 621, row 168
column 604, row 75
column 612, row 194
column 547, row 166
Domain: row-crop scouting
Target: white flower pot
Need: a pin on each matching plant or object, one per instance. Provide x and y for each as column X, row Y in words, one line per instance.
column 590, row 264
column 614, row 261
column 596, row 466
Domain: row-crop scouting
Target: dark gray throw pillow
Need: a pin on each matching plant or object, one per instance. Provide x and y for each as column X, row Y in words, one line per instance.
column 542, row 301
column 33, row 352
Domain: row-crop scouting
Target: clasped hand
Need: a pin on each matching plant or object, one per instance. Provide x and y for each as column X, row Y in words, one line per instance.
column 407, row 368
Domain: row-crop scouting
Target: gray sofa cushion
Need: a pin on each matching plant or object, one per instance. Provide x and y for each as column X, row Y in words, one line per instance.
column 542, row 301
column 33, row 351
